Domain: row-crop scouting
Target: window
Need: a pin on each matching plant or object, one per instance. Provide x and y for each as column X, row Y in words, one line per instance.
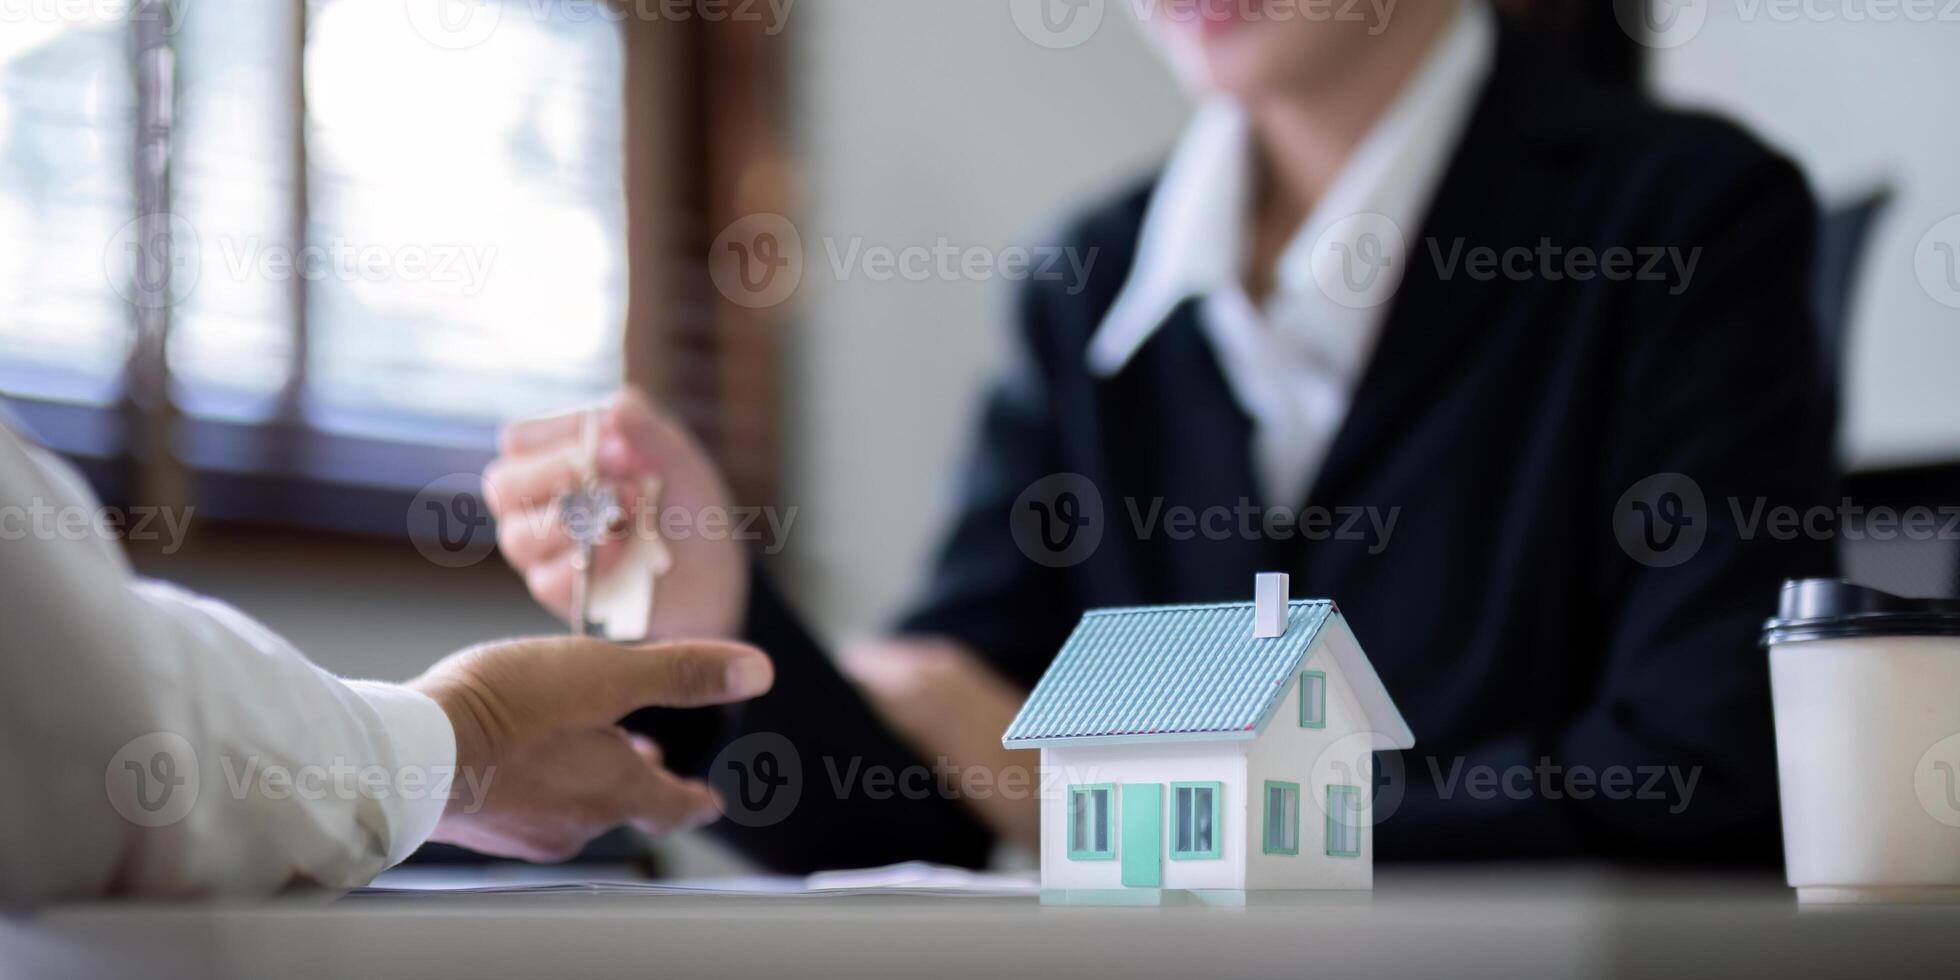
column 259, row 243
column 1313, row 699
column 329, row 222
column 1344, row 813
column 1090, row 814
column 67, row 139
column 437, row 312
column 1282, row 817
column 1194, row 820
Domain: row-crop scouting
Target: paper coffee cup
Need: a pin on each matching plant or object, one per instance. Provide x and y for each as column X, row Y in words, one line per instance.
column 1867, row 696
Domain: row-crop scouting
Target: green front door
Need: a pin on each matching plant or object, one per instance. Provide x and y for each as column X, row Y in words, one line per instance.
column 1143, row 835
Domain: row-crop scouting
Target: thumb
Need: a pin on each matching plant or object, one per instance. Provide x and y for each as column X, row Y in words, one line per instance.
column 613, row 681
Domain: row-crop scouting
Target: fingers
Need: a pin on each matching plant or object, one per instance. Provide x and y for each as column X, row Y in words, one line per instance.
column 604, row 682
column 640, row 791
column 648, row 749
column 693, row 674
column 627, row 415
column 550, row 583
column 663, row 802
column 637, row 439
column 529, row 543
column 515, row 484
column 548, row 433
column 523, row 493
column 608, row 779
column 633, row 433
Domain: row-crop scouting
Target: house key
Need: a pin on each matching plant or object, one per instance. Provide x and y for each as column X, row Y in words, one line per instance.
column 589, row 513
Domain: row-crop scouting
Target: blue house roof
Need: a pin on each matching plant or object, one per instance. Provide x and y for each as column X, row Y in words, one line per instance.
column 1166, row 672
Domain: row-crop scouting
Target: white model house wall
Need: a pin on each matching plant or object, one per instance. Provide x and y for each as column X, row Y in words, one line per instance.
column 1313, row 758
column 1162, row 763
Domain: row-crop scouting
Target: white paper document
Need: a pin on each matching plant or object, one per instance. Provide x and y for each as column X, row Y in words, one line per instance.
column 909, row 878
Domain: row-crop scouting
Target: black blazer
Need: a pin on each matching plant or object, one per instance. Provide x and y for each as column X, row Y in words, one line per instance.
column 1530, row 616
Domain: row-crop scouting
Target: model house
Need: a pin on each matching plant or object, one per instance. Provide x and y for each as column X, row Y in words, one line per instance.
column 1207, row 753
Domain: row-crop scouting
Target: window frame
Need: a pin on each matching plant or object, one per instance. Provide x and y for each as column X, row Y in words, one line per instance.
column 704, row 129
column 1346, row 792
column 1265, row 803
column 1076, row 852
column 1320, row 702
column 1217, row 790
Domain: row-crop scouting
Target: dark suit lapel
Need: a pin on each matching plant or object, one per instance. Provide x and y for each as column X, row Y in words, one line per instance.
column 1184, row 446
column 1485, row 199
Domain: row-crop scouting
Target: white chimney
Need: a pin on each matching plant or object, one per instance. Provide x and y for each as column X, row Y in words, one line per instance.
column 1269, row 605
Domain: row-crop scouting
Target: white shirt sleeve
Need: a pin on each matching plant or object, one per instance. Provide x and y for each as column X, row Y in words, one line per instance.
column 156, row 743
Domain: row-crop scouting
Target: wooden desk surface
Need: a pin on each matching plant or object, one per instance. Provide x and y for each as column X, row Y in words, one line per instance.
column 1457, row 923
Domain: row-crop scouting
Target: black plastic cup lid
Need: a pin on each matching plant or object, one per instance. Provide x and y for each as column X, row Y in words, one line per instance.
column 1826, row 609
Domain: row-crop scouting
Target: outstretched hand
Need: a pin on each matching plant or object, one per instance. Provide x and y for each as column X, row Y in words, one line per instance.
column 535, row 731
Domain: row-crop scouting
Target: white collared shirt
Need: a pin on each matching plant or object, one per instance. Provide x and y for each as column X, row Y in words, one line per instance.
column 156, row 743
column 1293, row 362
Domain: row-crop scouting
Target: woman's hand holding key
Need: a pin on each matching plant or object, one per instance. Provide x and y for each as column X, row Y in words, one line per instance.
column 541, row 460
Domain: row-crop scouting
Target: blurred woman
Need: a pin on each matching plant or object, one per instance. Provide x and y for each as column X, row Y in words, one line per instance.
column 1485, row 350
